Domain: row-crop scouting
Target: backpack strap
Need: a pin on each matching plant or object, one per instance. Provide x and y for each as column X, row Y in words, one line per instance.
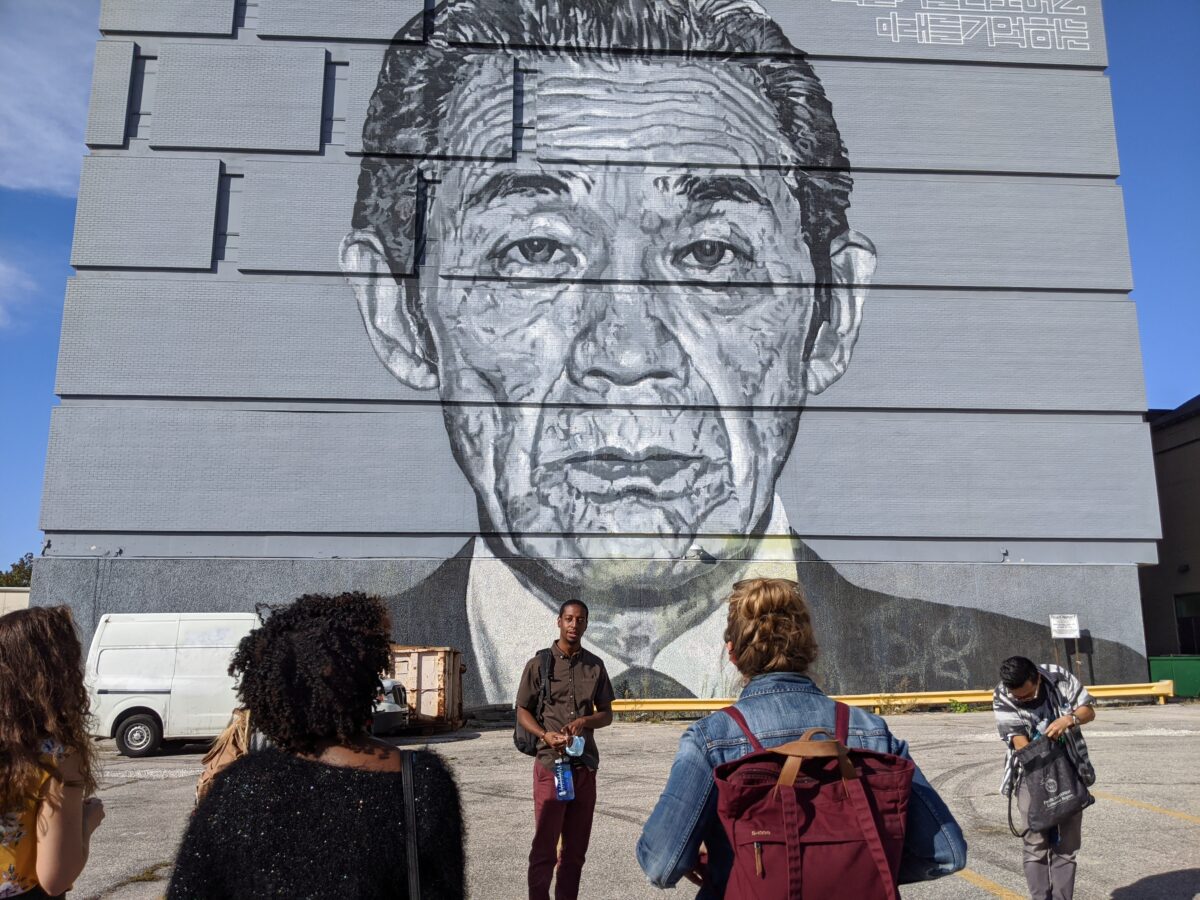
column 547, row 658
column 857, row 795
column 736, row 714
column 870, row 830
column 841, row 727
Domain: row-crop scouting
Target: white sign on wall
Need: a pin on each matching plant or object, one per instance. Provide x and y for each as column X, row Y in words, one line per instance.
column 1064, row 626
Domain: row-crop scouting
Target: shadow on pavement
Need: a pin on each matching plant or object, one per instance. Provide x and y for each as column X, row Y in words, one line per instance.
column 1181, row 885
column 442, row 737
column 180, row 748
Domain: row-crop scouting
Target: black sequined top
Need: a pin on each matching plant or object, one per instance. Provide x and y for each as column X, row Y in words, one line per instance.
column 275, row 825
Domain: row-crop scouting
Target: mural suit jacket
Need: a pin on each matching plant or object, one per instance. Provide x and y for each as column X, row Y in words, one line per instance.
column 869, row 641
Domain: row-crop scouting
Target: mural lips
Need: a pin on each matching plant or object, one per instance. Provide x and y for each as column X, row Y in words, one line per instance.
column 636, row 471
column 653, row 472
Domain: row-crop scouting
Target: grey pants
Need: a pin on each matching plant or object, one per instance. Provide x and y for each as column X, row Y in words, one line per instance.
column 1050, row 868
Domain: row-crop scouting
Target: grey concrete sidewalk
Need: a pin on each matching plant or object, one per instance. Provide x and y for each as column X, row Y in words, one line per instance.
column 1141, row 839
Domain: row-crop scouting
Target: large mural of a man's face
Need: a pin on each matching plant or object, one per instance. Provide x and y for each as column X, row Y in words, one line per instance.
column 623, row 327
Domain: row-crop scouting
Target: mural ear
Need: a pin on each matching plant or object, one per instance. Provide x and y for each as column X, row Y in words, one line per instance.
column 853, row 263
column 397, row 337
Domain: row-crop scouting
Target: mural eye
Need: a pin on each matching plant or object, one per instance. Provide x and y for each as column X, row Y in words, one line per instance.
column 537, row 250
column 706, row 254
column 534, row 256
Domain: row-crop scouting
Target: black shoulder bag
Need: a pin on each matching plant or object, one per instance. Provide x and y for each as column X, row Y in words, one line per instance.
column 526, row 742
column 1055, row 789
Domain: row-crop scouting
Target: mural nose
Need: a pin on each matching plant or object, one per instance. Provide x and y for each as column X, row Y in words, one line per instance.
column 626, row 346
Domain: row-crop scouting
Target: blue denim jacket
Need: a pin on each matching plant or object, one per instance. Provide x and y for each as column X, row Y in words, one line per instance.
column 779, row 707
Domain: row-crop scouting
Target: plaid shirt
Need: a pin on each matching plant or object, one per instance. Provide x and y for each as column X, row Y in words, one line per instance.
column 1066, row 695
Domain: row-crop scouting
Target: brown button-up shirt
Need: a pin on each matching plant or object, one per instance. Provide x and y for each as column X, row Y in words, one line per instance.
column 579, row 686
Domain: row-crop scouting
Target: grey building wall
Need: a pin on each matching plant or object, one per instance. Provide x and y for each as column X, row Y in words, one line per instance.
column 230, row 96
column 167, row 16
column 108, row 109
column 145, row 213
column 228, row 434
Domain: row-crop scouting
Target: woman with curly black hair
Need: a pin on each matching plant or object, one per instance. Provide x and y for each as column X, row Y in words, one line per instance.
column 322, row 813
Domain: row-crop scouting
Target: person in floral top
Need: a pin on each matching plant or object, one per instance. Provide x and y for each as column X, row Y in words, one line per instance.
column 46, row 765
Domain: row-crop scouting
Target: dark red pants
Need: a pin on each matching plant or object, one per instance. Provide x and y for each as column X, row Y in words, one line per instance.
column 572, row 821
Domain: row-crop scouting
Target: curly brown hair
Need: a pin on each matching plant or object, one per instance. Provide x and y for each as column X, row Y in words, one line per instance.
column 770, row 627
column 311, row 672
column 42, row 698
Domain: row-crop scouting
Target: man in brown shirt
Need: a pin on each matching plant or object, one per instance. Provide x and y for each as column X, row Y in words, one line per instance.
column 579, row 700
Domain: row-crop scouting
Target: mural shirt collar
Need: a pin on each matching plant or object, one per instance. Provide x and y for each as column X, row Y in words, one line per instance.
column 500, row 609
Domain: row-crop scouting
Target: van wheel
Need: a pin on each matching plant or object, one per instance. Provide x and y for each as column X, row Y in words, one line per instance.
column 139, row 735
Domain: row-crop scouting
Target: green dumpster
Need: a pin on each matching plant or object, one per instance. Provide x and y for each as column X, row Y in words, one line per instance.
column 1183, row 670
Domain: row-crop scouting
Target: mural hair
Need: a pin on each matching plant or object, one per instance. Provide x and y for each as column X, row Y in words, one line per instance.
column 42, row 698
column 770, row 627
column 428, row 60
column 311, row 672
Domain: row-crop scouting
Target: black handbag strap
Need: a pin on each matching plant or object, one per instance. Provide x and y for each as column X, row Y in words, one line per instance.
column 1011, row 826
column 410, row 825
column 1018, row 777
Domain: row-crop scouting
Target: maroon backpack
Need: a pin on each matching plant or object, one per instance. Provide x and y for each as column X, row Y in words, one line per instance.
column 813, row 818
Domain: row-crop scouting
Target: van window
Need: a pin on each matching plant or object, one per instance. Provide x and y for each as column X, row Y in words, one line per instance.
column 139, row 633
column 213, row 632
column 135, row 664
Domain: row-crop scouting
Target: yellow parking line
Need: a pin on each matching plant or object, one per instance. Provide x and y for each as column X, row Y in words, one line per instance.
column 996, row 890
column 1174, row 813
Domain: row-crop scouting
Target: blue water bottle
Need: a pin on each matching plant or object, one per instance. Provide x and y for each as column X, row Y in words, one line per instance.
column 564, row 781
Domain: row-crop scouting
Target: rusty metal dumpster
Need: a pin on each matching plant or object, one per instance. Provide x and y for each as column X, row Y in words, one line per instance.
column 432, row 679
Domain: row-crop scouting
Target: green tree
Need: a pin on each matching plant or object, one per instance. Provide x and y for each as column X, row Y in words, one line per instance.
column 19, row 573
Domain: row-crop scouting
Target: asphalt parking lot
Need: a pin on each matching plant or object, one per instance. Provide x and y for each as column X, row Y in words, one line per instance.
column 1141, row 839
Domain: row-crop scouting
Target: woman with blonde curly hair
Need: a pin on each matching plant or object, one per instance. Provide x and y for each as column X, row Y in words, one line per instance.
column 769, row 638
column 47, row 771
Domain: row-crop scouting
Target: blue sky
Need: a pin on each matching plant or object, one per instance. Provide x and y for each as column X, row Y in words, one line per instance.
column 45, row 68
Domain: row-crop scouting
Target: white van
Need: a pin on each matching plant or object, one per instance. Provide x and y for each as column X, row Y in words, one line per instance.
column 163, row 676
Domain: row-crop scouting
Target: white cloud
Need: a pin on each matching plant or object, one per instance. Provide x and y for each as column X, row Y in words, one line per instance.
column 46, row 50
column 15, row 287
